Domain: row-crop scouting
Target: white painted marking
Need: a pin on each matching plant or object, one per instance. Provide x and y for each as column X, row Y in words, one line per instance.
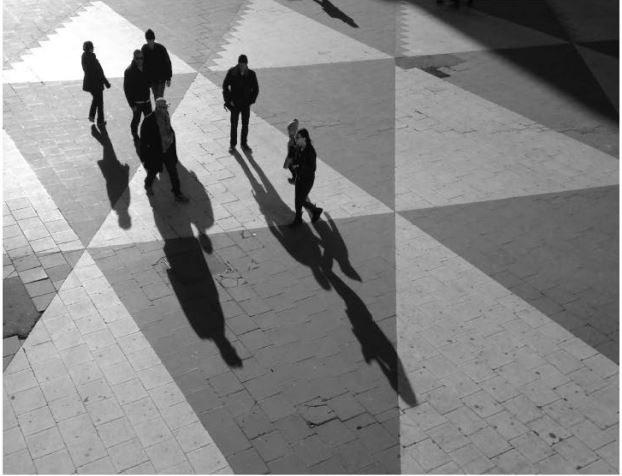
column 274, row 36
column 58, row 57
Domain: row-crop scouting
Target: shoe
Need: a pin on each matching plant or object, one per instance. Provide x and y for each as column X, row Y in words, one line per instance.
column 291, row 180
column 297, row 221
column 232, row 148
column 91, row 119
column 180, row 197
column 247, row 147
column 149, row 191
column 316, row 214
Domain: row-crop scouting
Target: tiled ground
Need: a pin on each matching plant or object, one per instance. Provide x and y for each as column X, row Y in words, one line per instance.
column 455, row 310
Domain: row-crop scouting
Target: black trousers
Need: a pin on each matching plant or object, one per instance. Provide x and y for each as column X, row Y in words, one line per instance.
column 97, row 104
column 170, row 162
column 157, row 87
column 303, row 187
column 245, row 111
column 141, row 108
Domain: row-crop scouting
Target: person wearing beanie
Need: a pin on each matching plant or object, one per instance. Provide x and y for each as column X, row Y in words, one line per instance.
column 158, row 148
column 94, row 82
column 240, row 89
column 136, row 89
column 292, row 128
column 157, row 65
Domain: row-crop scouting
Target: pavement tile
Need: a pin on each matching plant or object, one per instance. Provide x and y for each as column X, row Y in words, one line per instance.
column 165, row 454
column 447, row 437
column 66, row 407
column 610, row 453
column 129, row 391
column 248, row 462
column 206, row 460
column 13, row 440
column 18, row 381
column 532, row 446
column 104, row 410
column 428, row 454
column 27, row 400
column 598, row 467
column 36, row 420
column 55, row 463
column 88, row 450
column 44, row 443
column 140, row 410
column 127, row 455
column 118, row 372
column 143, row 468
column 101, row 466
column 592, row 435
column 575, row 452
column 116, row 431
column 254, row 423
column 19, row 462
column 152, row 431
column 512, row 462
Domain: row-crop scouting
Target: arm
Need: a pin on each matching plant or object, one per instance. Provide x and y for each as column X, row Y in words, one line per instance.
column 226, row 84
column 127, row 88
column 168, row 66
column 100, row 73
column 255, row 89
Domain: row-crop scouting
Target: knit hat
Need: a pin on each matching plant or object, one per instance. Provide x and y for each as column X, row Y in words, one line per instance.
column 242, row 59
column 292, row 127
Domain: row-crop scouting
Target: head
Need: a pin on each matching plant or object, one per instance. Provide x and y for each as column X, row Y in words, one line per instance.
column 161, row 107
column 292, row 128
column 150, row 37
column 302, row 138
column 243, row 63
column 138, row 58
column 88, row 47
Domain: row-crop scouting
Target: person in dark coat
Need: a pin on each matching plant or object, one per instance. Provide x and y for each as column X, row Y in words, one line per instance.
column 157, row 65
column 240, row 90
column 304, row 165
column 94, row 82
column 136, row 88
column 158, row 148
column 292, row 128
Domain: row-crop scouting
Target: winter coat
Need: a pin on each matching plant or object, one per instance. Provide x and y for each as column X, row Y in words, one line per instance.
column 135, row 85
column 240, row 89
column 157, row 63
column 94, row 78
column 151, row 153
column 306, row 161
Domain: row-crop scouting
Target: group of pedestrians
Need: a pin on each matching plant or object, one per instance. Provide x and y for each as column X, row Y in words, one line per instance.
column 150, row 72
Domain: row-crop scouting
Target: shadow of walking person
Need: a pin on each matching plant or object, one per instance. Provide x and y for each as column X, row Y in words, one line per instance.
column 188, row 250
column 306, row 248
column 117, row 177
column 334, row 12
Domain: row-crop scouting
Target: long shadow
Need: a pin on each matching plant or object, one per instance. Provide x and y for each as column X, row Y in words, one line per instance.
column 334, row 12
column 306, row 248
column 187, row 256
column 117, row 177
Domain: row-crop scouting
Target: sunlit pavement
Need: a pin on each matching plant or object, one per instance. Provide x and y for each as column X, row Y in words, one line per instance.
column 455, row 310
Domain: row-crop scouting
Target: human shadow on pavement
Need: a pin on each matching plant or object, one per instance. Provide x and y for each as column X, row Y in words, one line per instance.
column 306, row 248
column 334, row 12
column 117, row 177
column 187, row 256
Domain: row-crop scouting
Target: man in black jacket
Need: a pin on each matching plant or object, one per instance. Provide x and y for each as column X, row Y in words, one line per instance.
column 240, row 90
column 157, row 65
column 136, row 88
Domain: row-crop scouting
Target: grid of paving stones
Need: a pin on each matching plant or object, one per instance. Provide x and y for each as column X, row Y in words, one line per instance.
column 455, row 310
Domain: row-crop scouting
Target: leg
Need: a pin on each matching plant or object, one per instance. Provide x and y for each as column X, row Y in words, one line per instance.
column 160, row 89
column 135, row 121
column 99, row 99
column 303, row 187
column 151, row 175
column 246, row 113
column 93, row 107
column 233, row 138
column 170, row 163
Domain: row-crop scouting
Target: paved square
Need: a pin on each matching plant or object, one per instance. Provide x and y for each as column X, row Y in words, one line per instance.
column 456, row 308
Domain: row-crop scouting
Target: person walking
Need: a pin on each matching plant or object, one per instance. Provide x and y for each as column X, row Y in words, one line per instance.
column 158, row 148
column 292, row 128
column 240, row 89
column 157, row 65
column 94, row 82
column 136, row 88
column 304, row 165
